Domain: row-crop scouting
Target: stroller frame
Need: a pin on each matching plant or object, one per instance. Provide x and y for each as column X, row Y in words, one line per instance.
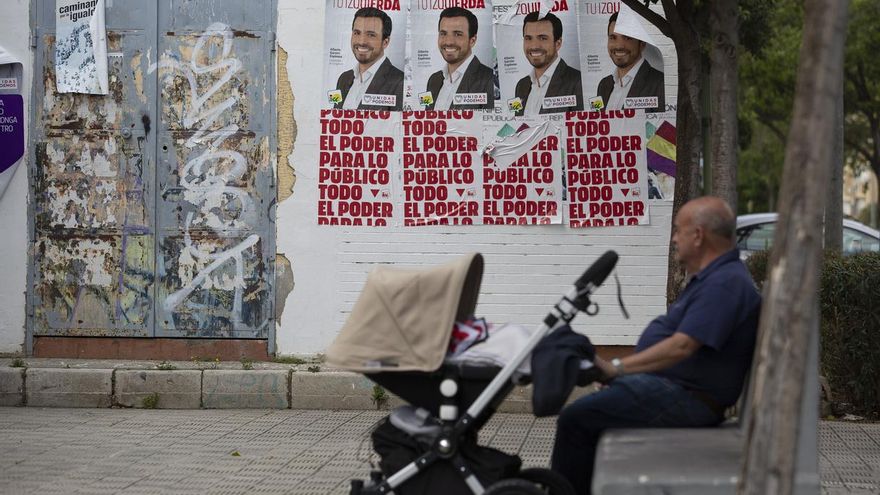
column 445, row 445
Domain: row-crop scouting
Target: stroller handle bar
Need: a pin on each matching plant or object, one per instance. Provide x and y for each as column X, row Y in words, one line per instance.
column 577, row 299
column 598, row 271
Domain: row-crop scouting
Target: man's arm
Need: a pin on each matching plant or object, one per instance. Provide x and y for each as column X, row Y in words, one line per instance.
column 668, row 352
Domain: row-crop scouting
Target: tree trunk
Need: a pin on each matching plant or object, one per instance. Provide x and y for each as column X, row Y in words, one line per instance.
column 790, row 312
column 689, row 135
column 724, row 21
column 677, row 23
column 834, row 209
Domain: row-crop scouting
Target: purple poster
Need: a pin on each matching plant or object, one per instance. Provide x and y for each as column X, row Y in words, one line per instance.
column 11, row 130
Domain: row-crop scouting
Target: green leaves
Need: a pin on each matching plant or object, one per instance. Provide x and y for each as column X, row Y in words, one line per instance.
column 850, row 354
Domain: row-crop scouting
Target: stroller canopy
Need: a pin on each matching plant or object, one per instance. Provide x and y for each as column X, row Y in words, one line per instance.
column 403, row 319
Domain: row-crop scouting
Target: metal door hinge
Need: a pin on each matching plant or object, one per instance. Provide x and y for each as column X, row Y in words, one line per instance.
column 272, row 40
column 34, row 39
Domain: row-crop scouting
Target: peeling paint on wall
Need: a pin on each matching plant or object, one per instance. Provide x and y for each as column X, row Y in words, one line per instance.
column 154, row 205
column 80, row 182
column 283, row 283
column 81, row 111
column 84, row 291
column 93, row 245
column 214, row 275
column 287, row 129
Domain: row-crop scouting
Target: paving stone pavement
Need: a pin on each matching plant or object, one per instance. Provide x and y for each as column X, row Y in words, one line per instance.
column 303, row 452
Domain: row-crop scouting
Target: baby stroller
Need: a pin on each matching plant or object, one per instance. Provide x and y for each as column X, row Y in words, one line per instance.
column 398, row 334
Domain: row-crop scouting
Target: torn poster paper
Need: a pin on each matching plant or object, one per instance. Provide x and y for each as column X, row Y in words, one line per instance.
column 81, row 47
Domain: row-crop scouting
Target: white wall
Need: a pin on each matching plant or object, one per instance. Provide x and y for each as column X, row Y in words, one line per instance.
column 15, row 38
column 527, row 268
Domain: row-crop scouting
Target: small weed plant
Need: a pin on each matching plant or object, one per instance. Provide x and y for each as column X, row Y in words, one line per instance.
column 202, row 363
column 151, row 401
column 379, row 396
column 288, row 360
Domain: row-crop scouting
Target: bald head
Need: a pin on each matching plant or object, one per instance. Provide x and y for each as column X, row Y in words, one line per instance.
column 704, row 230
column 715, row 216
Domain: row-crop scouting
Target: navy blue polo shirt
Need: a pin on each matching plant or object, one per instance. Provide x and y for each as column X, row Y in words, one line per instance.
column 719, row 308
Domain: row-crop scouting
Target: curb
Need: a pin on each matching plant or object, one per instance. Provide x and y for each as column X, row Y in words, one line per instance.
column 51, row 387
column 12, row 390
column 140, row 387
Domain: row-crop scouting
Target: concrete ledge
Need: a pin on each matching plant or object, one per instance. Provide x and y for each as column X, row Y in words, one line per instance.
column 69, row 387
column 174, row 389
column 336, row 390
column 232, row 389
column 86, row 383
column 11, row 386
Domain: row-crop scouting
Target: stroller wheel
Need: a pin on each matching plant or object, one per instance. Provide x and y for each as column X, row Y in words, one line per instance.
column 513, row 486
column 549, row 481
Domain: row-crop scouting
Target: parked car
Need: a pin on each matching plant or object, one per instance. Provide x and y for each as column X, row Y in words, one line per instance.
column 754, row 232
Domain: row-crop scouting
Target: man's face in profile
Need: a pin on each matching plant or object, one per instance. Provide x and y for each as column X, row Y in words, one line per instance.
column 623, row 50
column 454, row 40
column 538, row 43
column 366, row 40
column 685, row 238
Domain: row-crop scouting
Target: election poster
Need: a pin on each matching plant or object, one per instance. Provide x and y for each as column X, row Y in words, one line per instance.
column 621, row 65
column 441, row 167
column 453, row 55
column 606, row 173
column 359, row 153
column 81, row 47
column 12, row 124
column 661, row 151
column 538, row 57
column 365, row 53
column 522, row 174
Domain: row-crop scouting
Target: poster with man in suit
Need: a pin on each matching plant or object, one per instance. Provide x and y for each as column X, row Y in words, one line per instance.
column 366, row 49
column 629, row 74
column 454, row 57
column 539, row 62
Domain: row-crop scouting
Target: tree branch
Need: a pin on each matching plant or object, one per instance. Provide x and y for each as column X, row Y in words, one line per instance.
column 654, row 18
column 770, row 123
column 686, row 7
column 673, row 17
column 861, row 85
column 859, row 148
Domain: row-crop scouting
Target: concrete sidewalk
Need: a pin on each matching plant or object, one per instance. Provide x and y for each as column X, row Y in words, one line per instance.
column 106, row 390
column 302, row 452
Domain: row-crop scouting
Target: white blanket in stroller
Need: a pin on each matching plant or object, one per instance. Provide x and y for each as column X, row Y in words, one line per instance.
column 504, row 342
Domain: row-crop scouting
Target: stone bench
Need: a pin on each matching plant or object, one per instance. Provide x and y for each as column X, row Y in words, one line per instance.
column 701, row 461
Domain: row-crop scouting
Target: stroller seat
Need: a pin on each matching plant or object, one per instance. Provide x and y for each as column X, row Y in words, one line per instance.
column 398, row 335
column 423, row 388
column 415, row 422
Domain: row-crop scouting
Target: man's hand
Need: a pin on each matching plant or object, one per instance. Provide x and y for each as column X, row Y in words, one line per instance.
column 609, row 372
column 659, row 356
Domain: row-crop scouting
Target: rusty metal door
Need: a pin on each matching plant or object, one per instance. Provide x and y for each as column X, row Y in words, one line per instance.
column 93, row 179
column 153, row 206
column 216, row 182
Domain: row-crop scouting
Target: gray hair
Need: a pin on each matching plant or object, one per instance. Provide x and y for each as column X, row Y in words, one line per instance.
column 716, row 216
